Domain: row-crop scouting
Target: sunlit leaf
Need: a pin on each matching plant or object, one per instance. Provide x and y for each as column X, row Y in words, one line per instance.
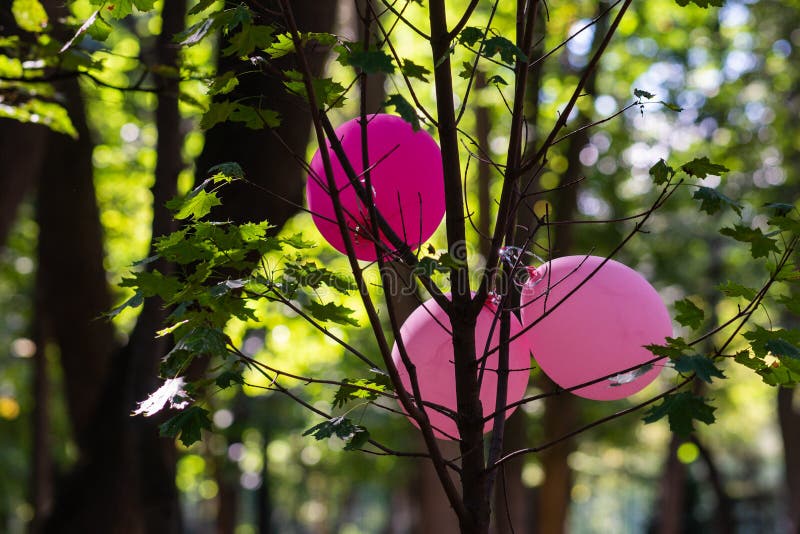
column 29, row 15
column 171, row 394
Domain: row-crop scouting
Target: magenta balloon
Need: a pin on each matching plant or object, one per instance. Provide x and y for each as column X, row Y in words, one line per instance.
column 426, row 336
column 406, row 179
column 597, row 331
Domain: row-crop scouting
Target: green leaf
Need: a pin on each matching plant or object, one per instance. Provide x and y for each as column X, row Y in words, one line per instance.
column 134, row 302
column 170, row 329
column 702, row 167
column 187, row 424
column 760, row 244
column 674, row 348
column 175, row 363
column 412, row 70
column 732, row 289
column 34, row 110
column 120, row 8
column 152, row 283
column 713, row 201
column 342, row 428
column 701, row 366
column 250, row 38
column 281, row 46
column 201, row 6
column 217, row 112
column 228, row 171
column 29, row 15
column 144, row 5
column 689, row 314
column 496, row 80
column 427, row 266
column 227, row 378
column 255, row 118
column 310, row 275
column 331, row 312
column 509, row 52
column 780, row 209
column 661, row 172
column 223, row 84
column 763, row 341
column 232, row 18
column 204, row 341
column 297, row 241
column 369, row 61
column 470, row 35
column 781, row 347
column 448, row 261
column 792, row 303
column 640, row 93
column 466, row 70
column 670, row 106
column 327, row 91
column 404, row 109
column 197, row 205
column 681, row 409
column 354, row 390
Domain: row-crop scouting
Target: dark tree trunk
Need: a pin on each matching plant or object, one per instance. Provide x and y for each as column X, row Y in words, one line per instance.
column 789, row 418
column 272, row 165
column 124, row 479
column 672, row 494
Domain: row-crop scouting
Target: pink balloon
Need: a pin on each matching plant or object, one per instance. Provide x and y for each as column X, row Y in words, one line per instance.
column 597, row 331
column 426, row 336
column 406, row 178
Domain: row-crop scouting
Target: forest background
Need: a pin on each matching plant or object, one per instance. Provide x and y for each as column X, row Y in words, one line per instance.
column 82, row 198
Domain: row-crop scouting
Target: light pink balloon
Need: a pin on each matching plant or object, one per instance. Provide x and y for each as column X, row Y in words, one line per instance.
column 597, row 331
column 406, row 178
column 426, row 336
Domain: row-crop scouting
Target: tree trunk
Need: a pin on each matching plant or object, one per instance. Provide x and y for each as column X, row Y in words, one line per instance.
column 789, row 418
column 670, row 507
column 124, row 479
